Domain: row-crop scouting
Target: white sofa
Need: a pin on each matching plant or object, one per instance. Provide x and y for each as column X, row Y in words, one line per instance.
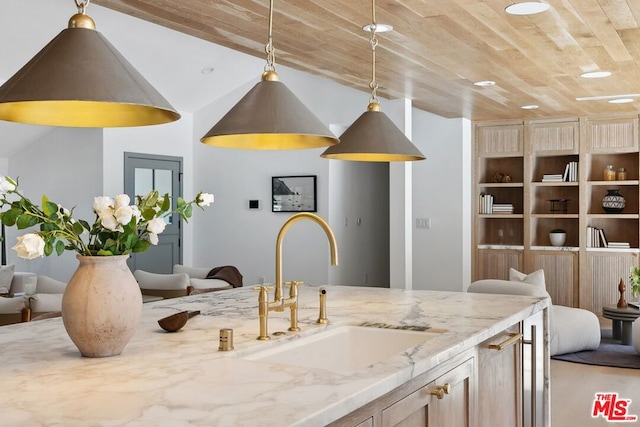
column 19, row 307
column 570, row 329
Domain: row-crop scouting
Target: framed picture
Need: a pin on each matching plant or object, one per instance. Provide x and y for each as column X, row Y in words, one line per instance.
column 293, row 193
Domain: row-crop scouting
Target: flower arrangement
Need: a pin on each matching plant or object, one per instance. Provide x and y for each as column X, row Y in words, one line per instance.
column 119, row 227
column 634, row 278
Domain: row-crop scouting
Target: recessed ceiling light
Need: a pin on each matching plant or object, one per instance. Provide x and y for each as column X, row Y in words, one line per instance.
column 484, row 83
column 207, row 70
column 595, row 74
column 530, row 107
column 526, row 8
column 621, row 100
column 380, row 28
column 607, row 97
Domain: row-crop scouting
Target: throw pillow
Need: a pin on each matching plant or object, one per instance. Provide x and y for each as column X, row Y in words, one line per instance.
column 535, row 279
column 6, row 276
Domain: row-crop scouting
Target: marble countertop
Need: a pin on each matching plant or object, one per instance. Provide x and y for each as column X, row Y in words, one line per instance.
column 180, row 379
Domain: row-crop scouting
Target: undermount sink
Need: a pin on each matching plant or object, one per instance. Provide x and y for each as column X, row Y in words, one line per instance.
column 344, row 349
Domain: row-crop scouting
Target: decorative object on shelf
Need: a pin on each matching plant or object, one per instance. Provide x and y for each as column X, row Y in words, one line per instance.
column 501, row 177
column 622, row 174
column 609, row 173
column 621, row 288
column 557, row 237
column 102, row 303
column 558, row 205
column 613, row 202
column 634, row 279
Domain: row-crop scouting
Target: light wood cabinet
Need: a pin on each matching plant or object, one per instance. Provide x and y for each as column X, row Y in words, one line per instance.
column 482, row 386
column 444, row 396
column 579, row 274
column 442, row 402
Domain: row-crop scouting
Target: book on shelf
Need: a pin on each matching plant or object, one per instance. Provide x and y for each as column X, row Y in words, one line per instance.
column 619, row 245
column 596, row 238
column 486, row 203
column 552, row 178
column 570, row 172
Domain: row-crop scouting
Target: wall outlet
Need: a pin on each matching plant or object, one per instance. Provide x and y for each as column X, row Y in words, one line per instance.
column 424, row 223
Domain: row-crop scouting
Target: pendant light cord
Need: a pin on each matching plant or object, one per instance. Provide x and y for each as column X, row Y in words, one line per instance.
column 82, row 5
column 373, row 85
column 269, row 49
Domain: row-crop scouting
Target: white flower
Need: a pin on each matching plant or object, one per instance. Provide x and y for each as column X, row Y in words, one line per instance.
column 101, row 203
column 29, row 246
column 121, row 200
column 7, row 185
column 204, row 199
column 156, row 226
column 135, row 211
column 153, row 238
column 124, row 214
column 108, row 220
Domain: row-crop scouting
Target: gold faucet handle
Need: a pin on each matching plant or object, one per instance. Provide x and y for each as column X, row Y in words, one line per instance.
column 266, row 288
column 293, row 290
column 294, row 283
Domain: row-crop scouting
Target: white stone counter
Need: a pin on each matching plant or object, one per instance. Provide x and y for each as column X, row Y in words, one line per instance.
column 181, row 379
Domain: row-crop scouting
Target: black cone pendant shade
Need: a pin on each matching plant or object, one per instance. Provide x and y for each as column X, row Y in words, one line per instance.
column 373, row 138
column 269, row 117
column 80, row 80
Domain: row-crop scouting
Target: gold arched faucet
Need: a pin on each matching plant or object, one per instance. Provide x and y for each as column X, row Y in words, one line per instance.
column 279, row 303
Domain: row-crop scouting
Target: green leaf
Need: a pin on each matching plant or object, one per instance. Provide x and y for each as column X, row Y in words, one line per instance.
column 181, row 203
column 78, row 228
column 26, row 221
column 50, row 209
column 46, row 208
column 60, row 247
column 102, row 252
column 9, row 217
column 141, row 246
column 188, row 211
column 85, row 224
column 48, row 247
column 166, row 203
column 148, row 214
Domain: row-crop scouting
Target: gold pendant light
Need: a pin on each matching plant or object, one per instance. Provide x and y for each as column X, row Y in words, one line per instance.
column 269, row 116
column 373, row 137
column 80, row 80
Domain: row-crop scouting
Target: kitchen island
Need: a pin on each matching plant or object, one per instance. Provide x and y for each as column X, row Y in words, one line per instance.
column 181, row 378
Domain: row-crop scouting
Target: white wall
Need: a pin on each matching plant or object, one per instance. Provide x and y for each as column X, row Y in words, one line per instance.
column 66, row 165
column 441, row 192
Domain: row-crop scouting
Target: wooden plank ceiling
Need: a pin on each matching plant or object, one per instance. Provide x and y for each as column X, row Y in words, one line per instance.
column 437, row 50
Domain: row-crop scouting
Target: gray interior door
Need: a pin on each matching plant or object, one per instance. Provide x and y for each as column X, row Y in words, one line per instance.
column 146, row 172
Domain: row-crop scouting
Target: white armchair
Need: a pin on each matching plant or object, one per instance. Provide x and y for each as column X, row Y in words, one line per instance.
column 47, row 299
column 198, row 279
column 163, row 285
column 570, row 329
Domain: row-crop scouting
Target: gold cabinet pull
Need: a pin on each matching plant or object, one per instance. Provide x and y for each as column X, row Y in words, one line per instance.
column 439, row 392
column 446, row 388
column 514, row 338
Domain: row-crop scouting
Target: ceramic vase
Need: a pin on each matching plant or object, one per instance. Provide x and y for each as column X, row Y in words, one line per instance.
column 613, row 202
column 557, row 238
column 101, row 305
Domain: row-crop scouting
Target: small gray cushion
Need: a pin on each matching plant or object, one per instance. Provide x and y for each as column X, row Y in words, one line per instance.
column 506, row 287
column 43, row 303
